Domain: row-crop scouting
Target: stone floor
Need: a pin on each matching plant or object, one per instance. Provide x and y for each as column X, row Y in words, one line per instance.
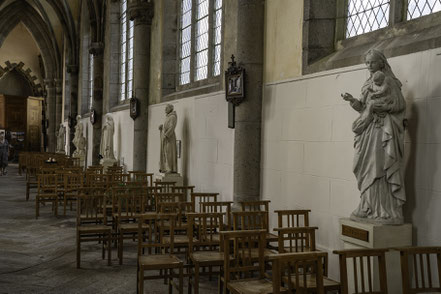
column 38, row 256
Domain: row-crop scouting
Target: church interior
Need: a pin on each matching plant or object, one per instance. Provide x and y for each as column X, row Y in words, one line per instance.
column 208, row 146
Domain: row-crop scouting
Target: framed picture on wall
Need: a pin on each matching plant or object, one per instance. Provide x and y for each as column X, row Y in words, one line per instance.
column 235, row 83
column 134, row 108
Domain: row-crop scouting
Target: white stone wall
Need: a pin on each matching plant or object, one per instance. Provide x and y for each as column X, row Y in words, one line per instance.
column 207, row 142
column 307, row 147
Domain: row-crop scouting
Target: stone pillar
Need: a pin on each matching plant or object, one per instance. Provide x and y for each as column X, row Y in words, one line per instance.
column 97, row 49
column 58, row 102
column 73, row 107
column 142, row 14
column 247, row 46
column 50, row 114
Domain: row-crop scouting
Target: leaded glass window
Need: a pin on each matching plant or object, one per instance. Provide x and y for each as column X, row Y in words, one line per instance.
column 418, row 8
column 90, row 80
column 200, row 40
column 126, row 62
column 365, row 16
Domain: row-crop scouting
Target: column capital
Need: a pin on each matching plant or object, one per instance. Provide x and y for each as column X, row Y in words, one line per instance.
column 96, row 48
column 141, row 11
column 49, row 83
column 58, row 86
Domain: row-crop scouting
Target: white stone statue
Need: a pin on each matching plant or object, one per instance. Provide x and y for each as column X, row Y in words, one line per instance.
column 106, row 147
column 379, row 144
column 168, row 162
column 79, row 140
column 61, row 137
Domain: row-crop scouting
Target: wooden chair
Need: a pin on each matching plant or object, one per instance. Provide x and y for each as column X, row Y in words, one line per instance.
column 361, row 277
column 186, row 190
column 97, row 180
column 166, row 187
column 424, row 281
column 160, row 255
column 114, row 169
column 47, row 191
column 296, row 239
column 141, row 178
column 96, row 169
column 241, row 265
column 118, row 179
column 204, row 243
column 167, row 197
column 73, row 184
column 302, row 239
column 294, row 269
column 292, row 218
column 92, row 222
column 224, row 207
column 253, row 220
column 197, row 198
column 130, row 203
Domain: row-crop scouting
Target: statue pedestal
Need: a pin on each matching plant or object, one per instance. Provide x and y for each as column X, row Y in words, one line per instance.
column 173, row 177
column 106, row 162
column 358, row 235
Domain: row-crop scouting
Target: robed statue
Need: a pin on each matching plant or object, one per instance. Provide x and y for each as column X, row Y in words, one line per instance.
column 79, row 140
column 379, row 144
column 61, row 139
column 106, row 146
column 168, row 162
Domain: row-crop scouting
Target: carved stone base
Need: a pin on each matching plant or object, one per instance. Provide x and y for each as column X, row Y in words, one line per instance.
column 172, row 177
column 359, row 235
column 106, row 162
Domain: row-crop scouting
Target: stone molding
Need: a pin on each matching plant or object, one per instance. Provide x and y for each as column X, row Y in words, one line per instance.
column 37, row 88
column 141, row 12
column 96, row 48
column 72, row 68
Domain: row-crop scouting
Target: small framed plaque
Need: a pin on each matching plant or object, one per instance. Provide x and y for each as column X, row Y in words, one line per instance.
column 235, row 83
column 134, row 108
column 92, row 116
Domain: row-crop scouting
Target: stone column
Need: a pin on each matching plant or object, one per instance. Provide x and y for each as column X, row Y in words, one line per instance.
column 58, row 102
column 97, row 49
column 142, row 14
column 245, row 41
column 50, row 114
column 73, row 107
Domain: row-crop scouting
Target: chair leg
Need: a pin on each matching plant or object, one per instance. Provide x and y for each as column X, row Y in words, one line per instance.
column 120, row 247
column 37, row 208
column 109, row 248
column 196, row 278
column 170, row 280
column 78, row 250
column 181, row 280
column 27, row 191
column 141, row 281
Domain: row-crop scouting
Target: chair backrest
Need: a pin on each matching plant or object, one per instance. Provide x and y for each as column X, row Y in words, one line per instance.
column 151, row 228
column 128, row 202
column 296, row 239
column 97, row 180
column 181, row 209
column 250, row 220
column 223, row 206
column 91, row 206
column 197, row 198
column 363, row 270
column 296, row 270
column 166, row 187
column 73, row 181
column 292, row 218
column 425, row 262
column 259, row 205
column 141, row 178
column 167, row 197
column 243, row 254
column 118, row 179
column 186, row 190
column 203, row 230
column 48, row 183
column 96, row 169
column 114, row 170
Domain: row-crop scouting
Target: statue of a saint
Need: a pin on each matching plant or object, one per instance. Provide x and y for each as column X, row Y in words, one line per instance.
column 106, row 147
column 168, row 162
column 79, row 140
column 379, row 144
column 61, row 136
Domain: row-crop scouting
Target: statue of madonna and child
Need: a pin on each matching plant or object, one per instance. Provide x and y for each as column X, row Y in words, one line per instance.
column 379, row 144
